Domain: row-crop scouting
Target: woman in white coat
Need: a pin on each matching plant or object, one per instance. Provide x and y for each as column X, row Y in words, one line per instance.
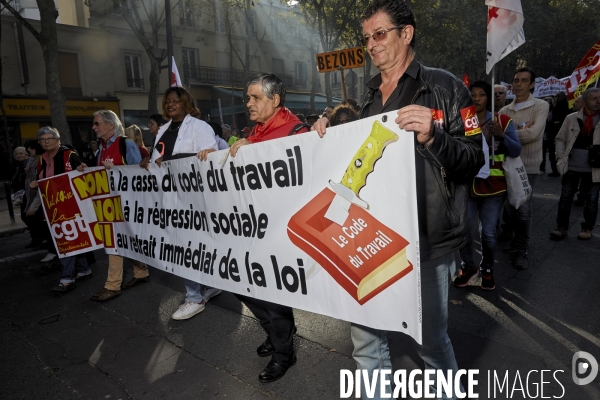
column 183, row 136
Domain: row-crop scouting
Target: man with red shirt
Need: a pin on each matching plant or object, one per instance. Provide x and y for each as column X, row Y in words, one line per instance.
column 110, row 134
column 265, row 99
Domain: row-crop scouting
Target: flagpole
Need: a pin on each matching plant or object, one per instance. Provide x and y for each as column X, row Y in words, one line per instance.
column 493, row 111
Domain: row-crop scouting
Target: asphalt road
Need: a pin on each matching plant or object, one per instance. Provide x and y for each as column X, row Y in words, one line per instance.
column 68, row 347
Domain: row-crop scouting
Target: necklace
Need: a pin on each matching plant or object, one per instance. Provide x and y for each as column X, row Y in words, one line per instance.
column 176, row 127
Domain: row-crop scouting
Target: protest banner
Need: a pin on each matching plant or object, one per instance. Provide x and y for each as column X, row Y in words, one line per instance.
column 255, row 224
column 67, row 200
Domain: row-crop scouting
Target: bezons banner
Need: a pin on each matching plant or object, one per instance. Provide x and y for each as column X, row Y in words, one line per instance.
column 327, row 225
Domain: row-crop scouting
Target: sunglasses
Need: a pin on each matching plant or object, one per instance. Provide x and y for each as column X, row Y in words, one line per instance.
column 96, row 123
column 379, row 35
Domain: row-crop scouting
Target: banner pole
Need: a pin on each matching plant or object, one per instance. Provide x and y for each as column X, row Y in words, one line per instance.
column 493, row 111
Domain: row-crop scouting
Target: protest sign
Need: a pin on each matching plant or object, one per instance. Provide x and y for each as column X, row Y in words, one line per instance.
column 255, row 224
column 67, row 200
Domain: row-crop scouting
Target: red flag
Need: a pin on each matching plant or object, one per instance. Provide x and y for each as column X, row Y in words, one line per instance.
column 175, row 79
column 466, row 80
column 586, row 73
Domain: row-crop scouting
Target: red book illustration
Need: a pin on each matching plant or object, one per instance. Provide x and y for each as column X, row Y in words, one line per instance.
column 362, row 254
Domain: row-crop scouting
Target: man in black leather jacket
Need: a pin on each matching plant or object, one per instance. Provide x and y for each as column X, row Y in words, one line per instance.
column 437, row 107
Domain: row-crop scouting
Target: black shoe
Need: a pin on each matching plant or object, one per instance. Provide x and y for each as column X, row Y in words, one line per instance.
column 134, row 281
column 554, row 174
column 51, row 267
column 520, row 260
column 276, row 369
column 265, row 349
column 509, row 250
column 464, row 276
column 64, row 287
column 487, row 280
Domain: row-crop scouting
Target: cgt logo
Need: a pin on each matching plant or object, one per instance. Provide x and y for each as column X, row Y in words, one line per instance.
column 470, row 121
column 584, row 364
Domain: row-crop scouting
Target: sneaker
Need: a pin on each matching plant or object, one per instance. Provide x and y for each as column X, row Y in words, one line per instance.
column 209, row 292
column 558, row 234
column 464, row 276
column 521, row 261
column 49, row 257
column 487, row 280
column 585, row 234
column 188, row 310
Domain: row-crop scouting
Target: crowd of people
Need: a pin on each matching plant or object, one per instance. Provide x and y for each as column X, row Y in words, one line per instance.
column 468, row 163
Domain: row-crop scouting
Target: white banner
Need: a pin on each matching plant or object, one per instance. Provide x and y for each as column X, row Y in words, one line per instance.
column 256, row 224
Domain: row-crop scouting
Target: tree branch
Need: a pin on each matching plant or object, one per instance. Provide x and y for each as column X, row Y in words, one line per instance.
column 22, row 20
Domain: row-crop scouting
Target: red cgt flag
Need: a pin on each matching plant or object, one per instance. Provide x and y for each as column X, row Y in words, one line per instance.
column 586, row 73
column 466, row 80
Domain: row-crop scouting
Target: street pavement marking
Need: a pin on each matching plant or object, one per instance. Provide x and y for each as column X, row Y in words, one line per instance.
column 8, row 259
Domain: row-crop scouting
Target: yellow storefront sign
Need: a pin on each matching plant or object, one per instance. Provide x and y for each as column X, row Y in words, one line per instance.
column 41, row 107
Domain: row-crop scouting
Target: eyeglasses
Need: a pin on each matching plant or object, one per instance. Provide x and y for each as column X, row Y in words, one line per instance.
column 379, row 35
column 45, row 140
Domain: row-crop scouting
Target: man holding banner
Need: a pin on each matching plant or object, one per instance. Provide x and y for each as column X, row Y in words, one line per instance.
column 438, row 108
column 116, row 149
column 265, row 101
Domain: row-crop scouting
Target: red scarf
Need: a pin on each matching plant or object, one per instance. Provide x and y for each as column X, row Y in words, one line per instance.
column 276, row 127
column 588, row 125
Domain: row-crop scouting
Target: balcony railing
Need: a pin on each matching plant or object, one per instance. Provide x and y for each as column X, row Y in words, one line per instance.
column 224, row 76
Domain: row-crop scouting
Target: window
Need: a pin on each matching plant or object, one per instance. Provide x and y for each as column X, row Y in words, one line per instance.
column 133, row 71
column 190, row 63
column 300, row 74
column 278, row 66
column 68, row 69
column 186, row 13
column 275, row 35
column 220, row 25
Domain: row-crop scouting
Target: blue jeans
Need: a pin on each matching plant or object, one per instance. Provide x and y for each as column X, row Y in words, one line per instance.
column 488, row 209
column 520, row 219
column 193, row 292
column 572, row 180
column 371, row 349
column 71, row 266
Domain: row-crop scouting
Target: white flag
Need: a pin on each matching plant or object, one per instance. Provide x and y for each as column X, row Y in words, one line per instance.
column 504, row 30
column 175, row 79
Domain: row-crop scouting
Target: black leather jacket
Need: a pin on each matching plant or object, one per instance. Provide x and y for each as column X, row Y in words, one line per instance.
column 445, row 168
